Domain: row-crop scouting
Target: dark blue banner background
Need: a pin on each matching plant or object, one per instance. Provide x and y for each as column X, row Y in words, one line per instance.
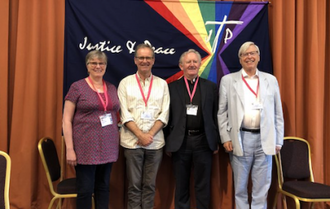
column 117, row 26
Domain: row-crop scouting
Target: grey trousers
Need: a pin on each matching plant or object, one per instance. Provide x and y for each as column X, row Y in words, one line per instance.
column 141, row 168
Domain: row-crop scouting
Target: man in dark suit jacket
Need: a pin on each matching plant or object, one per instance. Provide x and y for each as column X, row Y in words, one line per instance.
column 192, row 131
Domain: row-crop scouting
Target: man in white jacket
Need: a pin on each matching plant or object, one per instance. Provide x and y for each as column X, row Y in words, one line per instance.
column 251, row 126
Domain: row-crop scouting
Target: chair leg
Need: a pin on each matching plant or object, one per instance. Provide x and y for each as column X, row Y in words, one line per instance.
column 51, row 203
column 93, row 202
column 285, row 206
column 275, row 201
column 59, row 204
column 312, row 205
column 297, row 202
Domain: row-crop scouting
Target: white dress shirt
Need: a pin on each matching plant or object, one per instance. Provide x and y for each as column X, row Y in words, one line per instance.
column 251, row 118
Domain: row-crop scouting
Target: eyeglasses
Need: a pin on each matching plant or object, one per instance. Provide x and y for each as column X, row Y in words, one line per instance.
column 249, row 53
column 94, row 64
column 142, row 58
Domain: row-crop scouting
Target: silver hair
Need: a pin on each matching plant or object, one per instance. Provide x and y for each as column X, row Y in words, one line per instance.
column 190, row 51
column 96, row 54
column 245, row 46
column 140, row 46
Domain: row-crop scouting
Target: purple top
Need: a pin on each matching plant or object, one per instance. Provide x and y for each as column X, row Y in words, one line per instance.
column 93, row 143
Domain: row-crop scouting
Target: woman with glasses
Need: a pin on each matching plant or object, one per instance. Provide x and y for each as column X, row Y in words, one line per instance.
column 91, row 132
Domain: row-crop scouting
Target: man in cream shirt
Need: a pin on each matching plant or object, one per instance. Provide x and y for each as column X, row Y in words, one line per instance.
column 144, row 102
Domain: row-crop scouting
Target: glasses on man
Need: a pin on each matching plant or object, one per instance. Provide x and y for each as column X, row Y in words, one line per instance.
column 249, row 54
column 144, row 58
column 94, row 64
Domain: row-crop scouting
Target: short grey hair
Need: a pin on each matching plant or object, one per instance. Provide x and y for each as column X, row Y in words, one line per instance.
column 190, row 51
column 96, row 54
column 245, row 46
column 140, row 46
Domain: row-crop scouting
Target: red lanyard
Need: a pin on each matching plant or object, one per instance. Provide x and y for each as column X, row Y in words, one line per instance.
column 246, row 83
column 191, row 95
column 149, row 91
column 98, row 94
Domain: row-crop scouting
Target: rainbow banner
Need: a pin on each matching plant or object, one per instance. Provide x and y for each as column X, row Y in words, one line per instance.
column 215, row 29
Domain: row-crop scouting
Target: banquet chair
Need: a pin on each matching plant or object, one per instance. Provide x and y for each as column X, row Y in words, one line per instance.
column 5, row 168
column 66, row 188
column 295, row 174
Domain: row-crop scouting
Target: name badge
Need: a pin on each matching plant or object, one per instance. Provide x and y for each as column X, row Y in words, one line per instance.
column 257, row 106
column 192, row 109
column 106, row 119
column 146, row 115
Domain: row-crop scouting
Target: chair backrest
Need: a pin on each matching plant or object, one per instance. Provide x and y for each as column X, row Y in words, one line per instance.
column 5, row 168
column 49, row 157
column 295, row 159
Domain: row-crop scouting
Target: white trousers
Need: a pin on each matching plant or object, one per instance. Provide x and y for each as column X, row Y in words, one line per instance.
column 254, row 160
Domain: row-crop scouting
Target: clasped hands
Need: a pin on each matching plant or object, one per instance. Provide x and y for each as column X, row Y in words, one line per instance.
column 145, row 139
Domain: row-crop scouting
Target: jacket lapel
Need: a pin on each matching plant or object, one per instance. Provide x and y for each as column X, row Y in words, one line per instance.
column 263, row 87
column 181, row 91
column 203, row 89
column 238, row 86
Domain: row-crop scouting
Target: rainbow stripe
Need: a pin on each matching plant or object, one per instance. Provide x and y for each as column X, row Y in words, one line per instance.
column 201, row 23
